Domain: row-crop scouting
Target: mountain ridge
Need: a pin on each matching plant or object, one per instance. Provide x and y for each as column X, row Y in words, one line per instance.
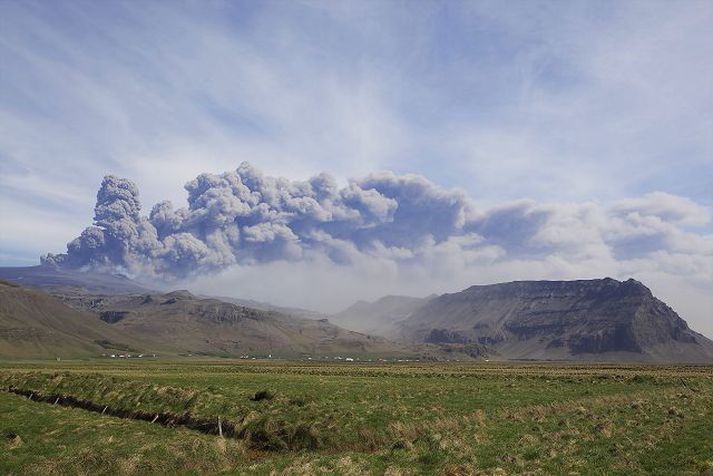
column 53, row 278
column 200, row 325
column 594, row 319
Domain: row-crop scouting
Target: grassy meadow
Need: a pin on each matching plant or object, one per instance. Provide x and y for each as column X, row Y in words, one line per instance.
column 146, row 417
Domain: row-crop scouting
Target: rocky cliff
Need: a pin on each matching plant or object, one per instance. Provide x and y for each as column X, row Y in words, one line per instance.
column 601, row 319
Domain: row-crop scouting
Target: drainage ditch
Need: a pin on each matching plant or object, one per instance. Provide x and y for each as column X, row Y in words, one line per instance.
column 216, row 426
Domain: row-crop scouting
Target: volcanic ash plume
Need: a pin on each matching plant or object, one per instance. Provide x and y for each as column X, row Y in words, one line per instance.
column 242, row 217
column 245, row 217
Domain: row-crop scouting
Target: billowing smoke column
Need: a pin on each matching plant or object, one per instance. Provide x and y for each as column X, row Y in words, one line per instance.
column 245, row 217
column 242, row 217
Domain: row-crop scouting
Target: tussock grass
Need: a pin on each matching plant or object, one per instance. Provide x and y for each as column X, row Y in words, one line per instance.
column 262, row 395
column 367, row 419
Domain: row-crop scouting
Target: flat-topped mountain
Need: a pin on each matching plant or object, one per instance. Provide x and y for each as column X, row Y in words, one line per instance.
column 600, row 319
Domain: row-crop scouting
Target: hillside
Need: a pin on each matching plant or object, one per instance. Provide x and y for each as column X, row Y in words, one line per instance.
column 117, row 309
column 266, row 306
column 34, row 325
column 601, row 319
column 378, row 317
column 190, row 324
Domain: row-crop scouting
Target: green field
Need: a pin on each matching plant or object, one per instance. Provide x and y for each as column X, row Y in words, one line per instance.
column 354, row 418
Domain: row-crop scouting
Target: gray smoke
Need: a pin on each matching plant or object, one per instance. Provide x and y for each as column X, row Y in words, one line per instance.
column 244, row 217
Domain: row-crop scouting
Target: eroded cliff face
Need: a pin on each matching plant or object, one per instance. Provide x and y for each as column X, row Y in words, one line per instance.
column 559, row 319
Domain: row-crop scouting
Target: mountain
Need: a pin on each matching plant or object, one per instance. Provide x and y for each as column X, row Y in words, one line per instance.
column 53, row 279
column 191, row 324
column 92, row 313
column 600, row 319
column 34, row 325
column 378, row 317
column 176, row 322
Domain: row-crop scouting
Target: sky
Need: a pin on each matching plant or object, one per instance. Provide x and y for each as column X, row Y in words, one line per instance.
column 467, row 143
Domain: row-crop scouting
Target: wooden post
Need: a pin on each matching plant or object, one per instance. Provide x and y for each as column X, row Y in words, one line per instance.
column 220, row 428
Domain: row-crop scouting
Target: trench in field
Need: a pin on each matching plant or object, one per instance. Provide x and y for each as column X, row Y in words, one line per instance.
column 204, row 425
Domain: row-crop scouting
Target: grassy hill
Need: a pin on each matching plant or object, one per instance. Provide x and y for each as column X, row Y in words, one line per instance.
column 36, row 325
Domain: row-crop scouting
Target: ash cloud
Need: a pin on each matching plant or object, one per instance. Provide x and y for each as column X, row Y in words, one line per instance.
column 394, row 223
column 245, row 217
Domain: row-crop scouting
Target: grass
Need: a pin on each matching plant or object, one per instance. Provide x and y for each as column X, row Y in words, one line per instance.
column 344, row 418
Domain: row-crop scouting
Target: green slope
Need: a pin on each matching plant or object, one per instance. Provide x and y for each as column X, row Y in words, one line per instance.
column 34, row 325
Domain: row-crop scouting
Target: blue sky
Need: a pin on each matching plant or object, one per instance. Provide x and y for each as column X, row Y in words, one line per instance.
column 554, row 102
